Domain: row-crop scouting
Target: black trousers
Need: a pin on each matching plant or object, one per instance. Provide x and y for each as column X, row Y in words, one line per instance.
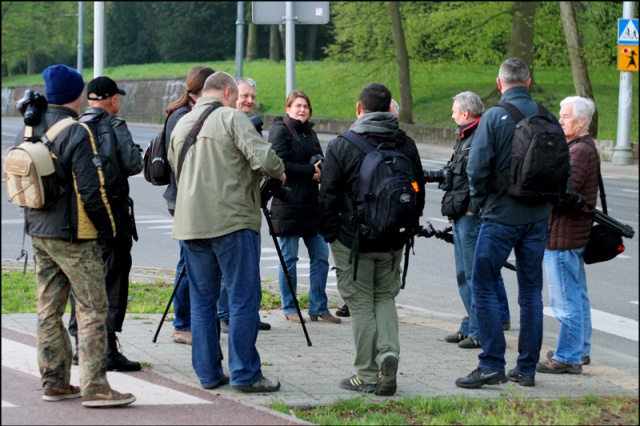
column 117, row 265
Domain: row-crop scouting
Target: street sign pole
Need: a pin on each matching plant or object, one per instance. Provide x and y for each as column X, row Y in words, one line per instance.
column 622, row 154
column 290, row 50
column 239, row 38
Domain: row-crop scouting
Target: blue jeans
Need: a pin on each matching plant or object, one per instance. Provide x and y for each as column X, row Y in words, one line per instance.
column 318, row 271
column 495, row 242
column 465, row 236
column 223, row 302
column 567, row 284
column 181, row 302
column 235, row 256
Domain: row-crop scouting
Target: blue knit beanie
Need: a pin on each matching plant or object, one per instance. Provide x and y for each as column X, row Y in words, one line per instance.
column 62, row 84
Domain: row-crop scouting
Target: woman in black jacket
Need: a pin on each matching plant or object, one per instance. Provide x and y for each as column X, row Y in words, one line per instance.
column 297, row 144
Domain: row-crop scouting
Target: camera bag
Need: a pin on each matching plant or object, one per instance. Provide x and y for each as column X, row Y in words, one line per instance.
column 156, row 168
column 539, row 167
column 32, row 174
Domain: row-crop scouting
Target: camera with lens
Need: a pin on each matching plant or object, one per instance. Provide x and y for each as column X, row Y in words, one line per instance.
column 315, row 158
column 31, row 106
column 257, row 123
column 444, row 177
column 270, row 187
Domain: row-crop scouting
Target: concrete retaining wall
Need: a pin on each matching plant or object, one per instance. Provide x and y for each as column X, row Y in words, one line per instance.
column 146, row 101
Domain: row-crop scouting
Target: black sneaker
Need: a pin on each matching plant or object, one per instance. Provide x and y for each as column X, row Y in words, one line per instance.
column 343, row 311
column 514, row 376
column 480, row 377
column 506, row 325
column 355, row 384
column 224, row 326
column 223, row 381
column 264, row 326
column 387, row 382
column 455, row 338
column 469, row 343
column 262, row 385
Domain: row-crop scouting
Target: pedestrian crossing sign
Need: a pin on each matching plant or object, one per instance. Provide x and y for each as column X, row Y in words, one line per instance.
column 628, row 58
column 628, row 31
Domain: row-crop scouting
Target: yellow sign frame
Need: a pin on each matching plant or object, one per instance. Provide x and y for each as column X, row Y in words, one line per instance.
column 628, row 58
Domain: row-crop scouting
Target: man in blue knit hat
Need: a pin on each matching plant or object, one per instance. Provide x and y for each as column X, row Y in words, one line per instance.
column 64, row 238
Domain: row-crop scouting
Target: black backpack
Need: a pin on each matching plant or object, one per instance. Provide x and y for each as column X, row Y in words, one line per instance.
column 539, row 167
column 116, row 183
column 387, row 206
column 157, row 169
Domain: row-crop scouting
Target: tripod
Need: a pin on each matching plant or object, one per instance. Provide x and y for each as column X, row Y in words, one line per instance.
column 173, row 294
column 267, row 216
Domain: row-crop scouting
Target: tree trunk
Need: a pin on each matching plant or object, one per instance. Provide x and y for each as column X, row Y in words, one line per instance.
column 521, row 44
column 252, row 42
column 581, row 80
column 274, row 43
column 312, row 39
column 31, row 63
column 402, row 57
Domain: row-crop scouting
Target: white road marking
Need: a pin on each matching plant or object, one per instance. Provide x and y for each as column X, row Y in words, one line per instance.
column 20, row 357
column 609, row 323
column 6, row 404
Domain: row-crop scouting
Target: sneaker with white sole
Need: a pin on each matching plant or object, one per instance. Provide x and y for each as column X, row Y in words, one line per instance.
column 53, row 394
column 111, row 399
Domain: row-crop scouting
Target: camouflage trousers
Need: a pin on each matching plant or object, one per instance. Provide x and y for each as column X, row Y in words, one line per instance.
column 63, row 267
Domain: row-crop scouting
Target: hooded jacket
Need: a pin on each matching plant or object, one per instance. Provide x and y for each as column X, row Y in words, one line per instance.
column 339, row 183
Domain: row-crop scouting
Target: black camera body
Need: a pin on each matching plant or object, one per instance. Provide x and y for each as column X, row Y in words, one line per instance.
column 257, row 123
column 31, row 106
column 274, row 188
column 444, row 177
column 315, row 158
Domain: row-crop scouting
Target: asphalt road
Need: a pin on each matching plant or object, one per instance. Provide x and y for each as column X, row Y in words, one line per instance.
column 431, row 285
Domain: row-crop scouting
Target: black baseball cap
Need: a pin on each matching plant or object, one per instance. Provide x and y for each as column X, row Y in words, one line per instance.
column 103, row 88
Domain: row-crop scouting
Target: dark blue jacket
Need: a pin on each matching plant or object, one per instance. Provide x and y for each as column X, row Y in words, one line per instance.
column 489, row 159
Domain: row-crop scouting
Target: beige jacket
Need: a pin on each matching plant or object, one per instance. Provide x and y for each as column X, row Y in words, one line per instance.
column 218, row 185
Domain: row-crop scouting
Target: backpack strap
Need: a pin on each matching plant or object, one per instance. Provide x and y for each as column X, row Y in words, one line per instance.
column 192, row 136
column 603, row 196
column 515, row 112
column 292, row 128
column 358, row 141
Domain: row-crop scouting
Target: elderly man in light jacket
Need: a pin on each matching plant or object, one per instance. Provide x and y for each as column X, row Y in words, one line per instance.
column 218, row 217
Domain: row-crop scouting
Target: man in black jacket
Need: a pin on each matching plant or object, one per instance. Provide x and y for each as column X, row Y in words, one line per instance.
column 68, row 258
column 114, row 137
column 371, row 296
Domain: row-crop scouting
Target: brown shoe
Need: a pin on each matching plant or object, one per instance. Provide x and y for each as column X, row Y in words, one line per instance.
column 552, row 366
column 293, row 318
column 326, row 318
column 111, row 399
column 181, row 336
column 52, row 393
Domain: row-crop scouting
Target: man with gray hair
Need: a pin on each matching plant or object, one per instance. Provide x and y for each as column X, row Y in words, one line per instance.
column 463, row 213
column 218, row 217
column 568, row 236
column 507, row 224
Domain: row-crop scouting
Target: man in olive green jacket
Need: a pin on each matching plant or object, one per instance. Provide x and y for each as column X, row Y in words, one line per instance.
column 218, row 217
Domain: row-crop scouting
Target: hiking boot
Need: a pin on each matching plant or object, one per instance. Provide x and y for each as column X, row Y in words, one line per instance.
column 224, row 326
column 115, row 359
column 111, row 399
column 264, row 326
column 514, row 376
column 52, row 393
column 455, row 338
column 343, row 311
column 480, row 377
column 552, row 366
column 262, row 385
column 506, row 325
column 181, row 336
column 586, row 359
column 469, row 343
column 223, row 381
column 387, row 382
column 355, row 384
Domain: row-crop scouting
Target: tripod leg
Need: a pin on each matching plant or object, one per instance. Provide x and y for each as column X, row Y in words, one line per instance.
column 286, row 271
column 173, row 294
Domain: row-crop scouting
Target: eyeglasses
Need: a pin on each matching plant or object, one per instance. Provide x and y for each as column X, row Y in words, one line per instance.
column 300, row 106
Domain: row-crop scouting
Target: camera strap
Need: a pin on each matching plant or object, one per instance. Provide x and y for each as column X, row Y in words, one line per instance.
column 192, row 136
column 292, row 129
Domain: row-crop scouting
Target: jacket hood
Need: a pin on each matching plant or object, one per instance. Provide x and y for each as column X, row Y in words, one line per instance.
column 379, row 123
